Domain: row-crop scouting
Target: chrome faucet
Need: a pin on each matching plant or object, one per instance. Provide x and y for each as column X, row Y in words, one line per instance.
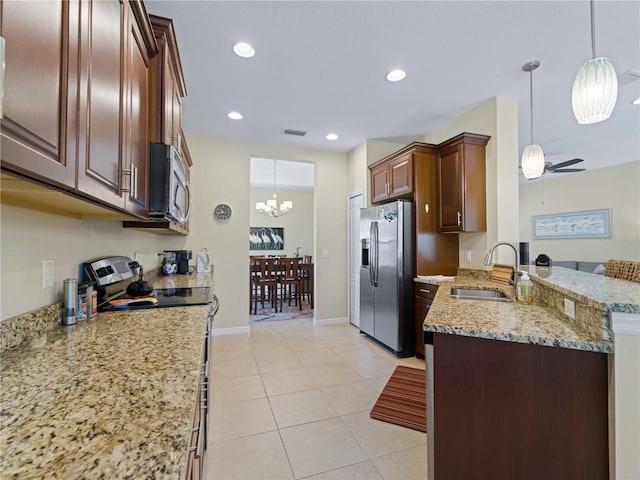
column 489, row 255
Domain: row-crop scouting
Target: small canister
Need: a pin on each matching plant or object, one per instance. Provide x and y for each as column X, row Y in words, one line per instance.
column 92, row 294
column 70, row 301
column 83, row 304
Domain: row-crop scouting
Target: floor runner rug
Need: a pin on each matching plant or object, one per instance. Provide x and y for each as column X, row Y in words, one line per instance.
column 403, row 400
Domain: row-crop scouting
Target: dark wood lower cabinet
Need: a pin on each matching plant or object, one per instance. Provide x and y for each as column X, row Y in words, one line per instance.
column 517, row 411
column 424, row 293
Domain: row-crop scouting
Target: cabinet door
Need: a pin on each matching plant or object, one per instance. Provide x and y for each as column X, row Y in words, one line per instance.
column 100, row 160
column 401, row 173
column 40, row 89
column 421, row 312
column 450, row 205
column 380, row 183
column 137, row 125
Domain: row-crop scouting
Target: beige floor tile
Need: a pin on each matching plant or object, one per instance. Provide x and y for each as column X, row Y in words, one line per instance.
column 412, row 362
column 263, row 350
column 241, row 419
column 351, row 397
column 287, row 381
column 410, row 464
column 318, row 356
column 378, row 382
column 300, row 407
column 321, row 446
column 333, row 374
column 240, row 367
column 229, row 390
column 298, row 344
column 224, row 352
column 259, row 456
column 359, row 471
column 335, row 340
column 354, row 352
column 379, row 438
column 277, row 362
column 372, row 367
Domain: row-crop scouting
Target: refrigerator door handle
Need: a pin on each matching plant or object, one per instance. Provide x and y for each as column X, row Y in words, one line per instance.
column 370, row 253
column 376, row 256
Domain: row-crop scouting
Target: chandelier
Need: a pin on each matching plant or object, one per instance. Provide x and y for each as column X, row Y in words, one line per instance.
column 270, row 207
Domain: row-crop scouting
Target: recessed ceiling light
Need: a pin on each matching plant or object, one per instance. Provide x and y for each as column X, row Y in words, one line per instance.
column 332, row 136
column 235, row 115
column 636, row 101
column 243, row 49
column 396, row 75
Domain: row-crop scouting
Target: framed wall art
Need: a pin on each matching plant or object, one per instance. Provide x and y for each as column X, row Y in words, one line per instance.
column 586, row 224
column 266, row 238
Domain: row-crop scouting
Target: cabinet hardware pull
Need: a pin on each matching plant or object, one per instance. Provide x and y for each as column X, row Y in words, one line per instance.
column 127, row 171
column 2, row 69
column 459, row 218
column 425, row 291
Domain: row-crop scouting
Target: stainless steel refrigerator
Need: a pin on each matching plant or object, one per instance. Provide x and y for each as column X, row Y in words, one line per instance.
column 386, row 275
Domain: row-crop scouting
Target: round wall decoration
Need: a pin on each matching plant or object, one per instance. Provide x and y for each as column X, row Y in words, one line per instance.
column 222, row 212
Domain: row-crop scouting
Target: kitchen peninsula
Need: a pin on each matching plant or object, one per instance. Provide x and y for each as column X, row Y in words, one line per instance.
column 111, row 397
column 516, row 388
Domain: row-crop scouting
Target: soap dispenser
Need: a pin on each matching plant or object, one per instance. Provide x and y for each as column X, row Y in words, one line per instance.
column 525, row 289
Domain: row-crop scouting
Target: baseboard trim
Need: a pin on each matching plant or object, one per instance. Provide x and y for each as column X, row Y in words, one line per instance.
column 229, row 331
column 330, row 321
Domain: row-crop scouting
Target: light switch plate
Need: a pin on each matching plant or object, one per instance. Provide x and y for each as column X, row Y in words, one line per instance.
column 48, row 273
column 139, row 257
column 467, row 256
column 569, row 308
column 325, row 253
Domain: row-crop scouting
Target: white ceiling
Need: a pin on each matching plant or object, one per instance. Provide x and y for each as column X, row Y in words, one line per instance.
column 320, row 66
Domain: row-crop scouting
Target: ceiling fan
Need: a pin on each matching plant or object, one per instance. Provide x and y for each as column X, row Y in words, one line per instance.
column 559, row 167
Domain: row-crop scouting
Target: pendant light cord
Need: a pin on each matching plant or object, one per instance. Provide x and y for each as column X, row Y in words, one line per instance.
column 531, row 101
column 593, row 29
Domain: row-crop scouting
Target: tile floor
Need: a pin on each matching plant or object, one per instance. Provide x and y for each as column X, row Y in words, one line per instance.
column 291, row 400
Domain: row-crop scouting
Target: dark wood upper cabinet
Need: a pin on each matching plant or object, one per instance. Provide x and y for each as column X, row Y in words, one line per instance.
column 461, row 175
column 392, row 177
column 76, row 99
column 168, row 86
column 38, row 131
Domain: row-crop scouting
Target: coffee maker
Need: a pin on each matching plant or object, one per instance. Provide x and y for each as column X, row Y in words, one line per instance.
column 176, row 262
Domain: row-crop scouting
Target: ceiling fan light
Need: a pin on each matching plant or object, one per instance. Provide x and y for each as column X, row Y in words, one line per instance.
column 532, row 161
column 595, row 91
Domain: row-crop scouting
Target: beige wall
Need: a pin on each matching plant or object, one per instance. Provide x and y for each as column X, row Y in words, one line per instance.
column 611, row 187
column 497, row 117
column 297, row 224
column 221, row 175
column 29, row 237
column 357, row 159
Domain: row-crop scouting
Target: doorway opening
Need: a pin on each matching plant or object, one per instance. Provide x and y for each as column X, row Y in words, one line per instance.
column 282, row 235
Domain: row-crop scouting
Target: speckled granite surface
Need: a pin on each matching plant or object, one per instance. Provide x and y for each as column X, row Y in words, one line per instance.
column 608, row 294
column 104, row 399
column 21, row 328
column 509, row 321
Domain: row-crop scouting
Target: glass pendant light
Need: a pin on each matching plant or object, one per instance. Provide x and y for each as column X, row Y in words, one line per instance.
column 532, row 156
column 595, row 88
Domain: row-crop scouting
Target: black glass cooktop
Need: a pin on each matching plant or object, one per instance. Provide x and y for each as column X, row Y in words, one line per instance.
column 161, row 298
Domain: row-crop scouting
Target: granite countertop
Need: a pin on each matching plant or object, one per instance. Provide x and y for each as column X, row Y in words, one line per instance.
column 608, row 294
column 106, row 398
column 508, row 321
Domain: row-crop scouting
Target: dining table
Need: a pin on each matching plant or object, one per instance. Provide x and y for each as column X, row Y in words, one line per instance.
column 305, row 275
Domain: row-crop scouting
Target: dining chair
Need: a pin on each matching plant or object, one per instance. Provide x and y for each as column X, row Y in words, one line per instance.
column 288, row 278
column 264, row 283
column 306, row 282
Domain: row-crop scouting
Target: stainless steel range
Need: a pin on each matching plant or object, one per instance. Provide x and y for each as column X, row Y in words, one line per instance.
column 111, row 276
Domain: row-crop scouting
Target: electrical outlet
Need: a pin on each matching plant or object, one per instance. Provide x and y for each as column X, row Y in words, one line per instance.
column 569, row 308
column 467, row 256
column 139, row 257
column 48, row 273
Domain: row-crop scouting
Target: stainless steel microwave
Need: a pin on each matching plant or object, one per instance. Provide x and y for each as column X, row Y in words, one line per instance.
column 169, row 193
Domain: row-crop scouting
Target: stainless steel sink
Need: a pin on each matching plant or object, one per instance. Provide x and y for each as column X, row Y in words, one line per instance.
column 472, row 294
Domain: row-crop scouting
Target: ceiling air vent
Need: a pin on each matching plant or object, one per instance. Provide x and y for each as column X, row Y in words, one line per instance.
column 290, row 131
